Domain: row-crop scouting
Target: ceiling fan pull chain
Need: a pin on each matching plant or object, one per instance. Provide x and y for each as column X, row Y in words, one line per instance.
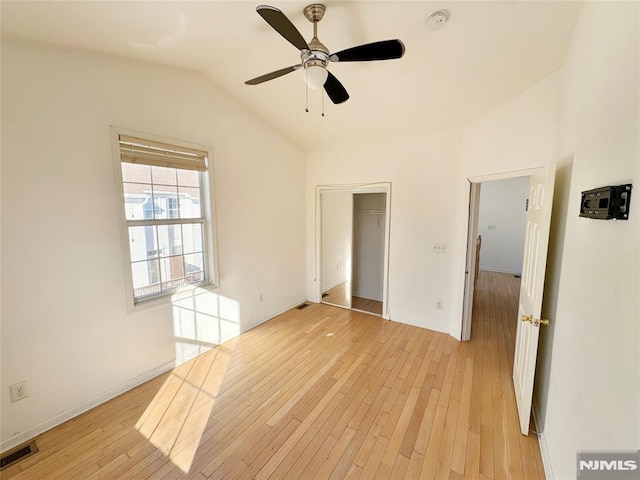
column 323, row 102
column 306, row 90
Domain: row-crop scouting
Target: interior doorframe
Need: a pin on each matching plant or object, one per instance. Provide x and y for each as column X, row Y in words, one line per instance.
column 472, row 234
column 378, row 187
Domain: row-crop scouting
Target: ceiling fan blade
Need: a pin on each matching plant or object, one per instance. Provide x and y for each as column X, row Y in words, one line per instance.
column 283, row 26
column 272, row 75
column 384, row 50
column 335, row 90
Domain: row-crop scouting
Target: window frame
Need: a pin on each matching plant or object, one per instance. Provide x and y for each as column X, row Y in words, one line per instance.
column 212, row 279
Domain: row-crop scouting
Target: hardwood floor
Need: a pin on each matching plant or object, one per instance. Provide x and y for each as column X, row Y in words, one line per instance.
column 339, row 295
column 366, row 305
column 321, row 392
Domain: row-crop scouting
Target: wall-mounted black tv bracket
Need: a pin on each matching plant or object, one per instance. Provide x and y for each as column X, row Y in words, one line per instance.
column 606, row 203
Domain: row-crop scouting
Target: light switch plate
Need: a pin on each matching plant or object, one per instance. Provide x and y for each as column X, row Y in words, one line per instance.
column 439, row 247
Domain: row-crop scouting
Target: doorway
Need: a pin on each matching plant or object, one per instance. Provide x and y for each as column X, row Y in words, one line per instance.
column 352, row 249
column 528, row 319
column 496, row 235
column 499, row 249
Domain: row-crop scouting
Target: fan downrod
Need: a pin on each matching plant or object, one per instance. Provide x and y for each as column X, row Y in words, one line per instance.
column 314, row 12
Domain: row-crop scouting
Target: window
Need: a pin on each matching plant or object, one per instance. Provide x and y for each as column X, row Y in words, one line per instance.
column 166, row 216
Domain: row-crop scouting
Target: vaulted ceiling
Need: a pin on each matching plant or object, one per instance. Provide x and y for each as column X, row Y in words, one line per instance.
column 485, row 54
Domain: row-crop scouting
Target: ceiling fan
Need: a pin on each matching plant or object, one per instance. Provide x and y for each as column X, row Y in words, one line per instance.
column 314, row 56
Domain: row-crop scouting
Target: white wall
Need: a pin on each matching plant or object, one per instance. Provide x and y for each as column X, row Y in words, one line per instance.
column 502, row 221
column 336, row 238
column 421, row 168
column 430, row 196
column 587, row 385
column 368, row 245
column 65, row 328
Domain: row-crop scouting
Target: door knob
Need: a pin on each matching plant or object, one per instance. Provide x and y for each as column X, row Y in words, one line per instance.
column 536, row 322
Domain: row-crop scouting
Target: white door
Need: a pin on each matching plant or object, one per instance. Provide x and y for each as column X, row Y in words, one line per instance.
column 530, row 305
column 470, row 267
column 337, row 241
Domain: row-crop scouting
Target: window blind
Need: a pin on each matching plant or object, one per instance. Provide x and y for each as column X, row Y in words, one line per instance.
column 158, row 154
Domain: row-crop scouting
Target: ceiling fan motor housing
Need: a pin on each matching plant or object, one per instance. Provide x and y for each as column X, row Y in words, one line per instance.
column 318, row 54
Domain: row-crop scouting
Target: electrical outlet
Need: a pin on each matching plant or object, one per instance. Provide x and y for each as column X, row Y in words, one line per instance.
column 18, row 391
column 439, row 304
column 439, row 248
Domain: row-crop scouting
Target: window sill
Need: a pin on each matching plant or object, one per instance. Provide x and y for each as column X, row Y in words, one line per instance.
column 168, row 298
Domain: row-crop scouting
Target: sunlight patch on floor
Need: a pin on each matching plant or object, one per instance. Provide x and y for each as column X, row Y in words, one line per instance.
column 176, row 419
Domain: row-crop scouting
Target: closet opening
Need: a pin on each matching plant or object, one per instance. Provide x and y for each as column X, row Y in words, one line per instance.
column 352, row 250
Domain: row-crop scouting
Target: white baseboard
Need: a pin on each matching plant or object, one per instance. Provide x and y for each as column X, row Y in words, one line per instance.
column 273, row 315
column 420, row 325
column 67, row 415
column 455, row 333
column 499, row 270
column 366, row 296
column 544, row 448
column 329, row 287
column 33, row 432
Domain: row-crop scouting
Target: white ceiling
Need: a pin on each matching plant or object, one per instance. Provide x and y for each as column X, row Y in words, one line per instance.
column 487, row 53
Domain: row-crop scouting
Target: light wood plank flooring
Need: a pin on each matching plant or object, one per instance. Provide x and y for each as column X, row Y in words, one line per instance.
column 321, row 392
column 367, row 305
column 339, row 295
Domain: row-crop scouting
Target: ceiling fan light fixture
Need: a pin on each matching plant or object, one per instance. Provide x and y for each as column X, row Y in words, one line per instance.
column 315, row 76
column 314, row 56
